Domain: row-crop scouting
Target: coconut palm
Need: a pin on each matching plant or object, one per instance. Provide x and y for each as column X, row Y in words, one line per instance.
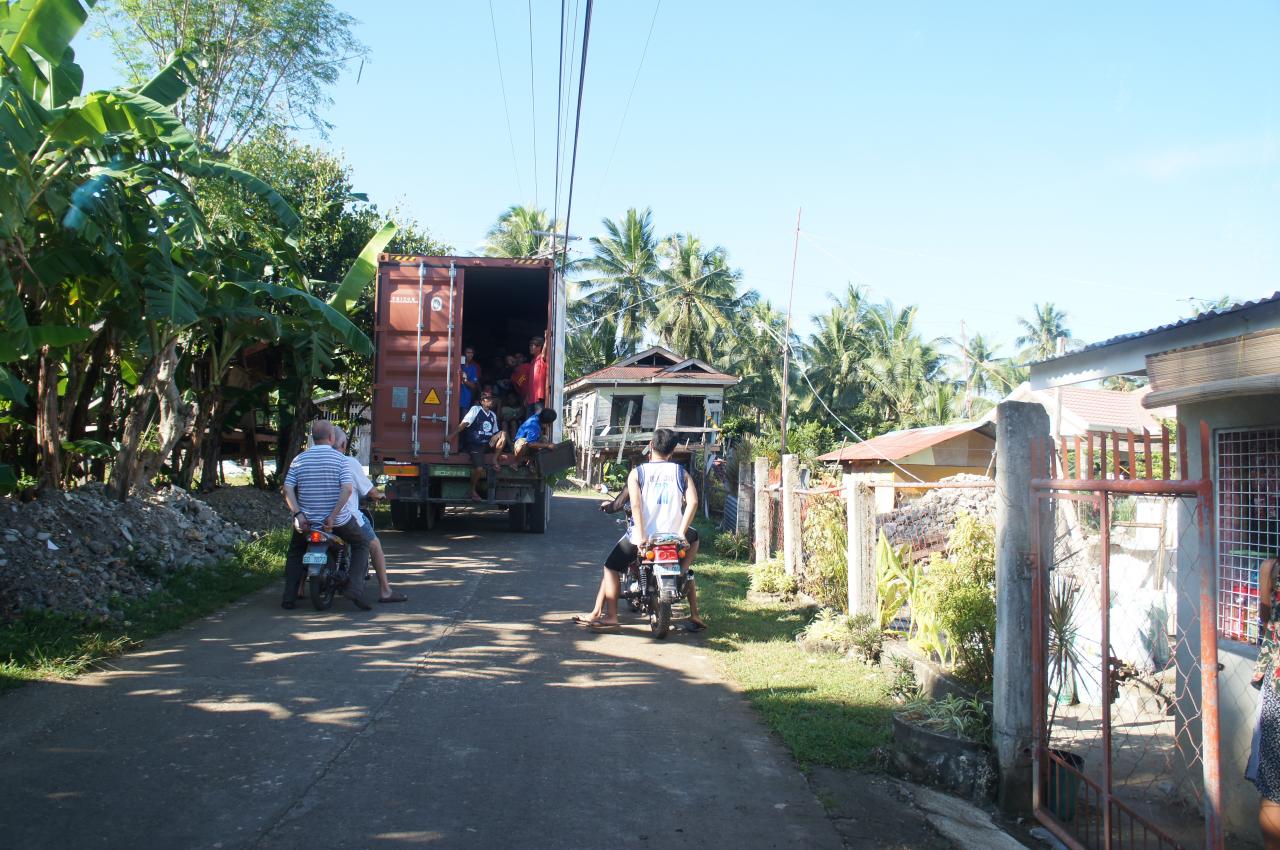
column 835, row 353
column 899, row 367
column 621, row 273
column 520, row 232
column 1041, row 333
column 697, row 295
column 752, row 351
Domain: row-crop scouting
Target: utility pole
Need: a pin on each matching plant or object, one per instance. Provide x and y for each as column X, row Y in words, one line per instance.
column 969, row 371
column 786, row 337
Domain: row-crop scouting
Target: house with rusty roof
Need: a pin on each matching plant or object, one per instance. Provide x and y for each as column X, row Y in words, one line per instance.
column 922, row 454
column 613, row 412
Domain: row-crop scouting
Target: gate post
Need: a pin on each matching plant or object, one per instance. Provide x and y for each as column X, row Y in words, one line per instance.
column 790, row 515
column 1021, row 430
column 860, row 506
column 743, row 518
column 761, row 511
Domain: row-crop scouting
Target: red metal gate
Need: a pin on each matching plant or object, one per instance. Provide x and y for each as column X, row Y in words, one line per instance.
column 1124, row 647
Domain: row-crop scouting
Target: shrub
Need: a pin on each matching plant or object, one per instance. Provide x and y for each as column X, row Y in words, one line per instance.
column 903, row 686
column 770, row 577
column 893, row 578
column 962, row 596
column 846, row 633
column 736, row 547
column 824, row 540
column 963, row 718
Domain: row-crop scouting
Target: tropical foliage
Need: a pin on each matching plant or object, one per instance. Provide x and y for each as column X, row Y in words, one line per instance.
column 129, row 304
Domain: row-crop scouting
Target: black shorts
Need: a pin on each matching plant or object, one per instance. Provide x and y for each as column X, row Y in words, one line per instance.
column 623, row 554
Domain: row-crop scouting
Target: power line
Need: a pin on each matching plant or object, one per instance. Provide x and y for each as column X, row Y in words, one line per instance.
column 571, row 44
column 631, row 94
column 577, row 127
column 506, row 108
column 533, row 115
column 555, row 209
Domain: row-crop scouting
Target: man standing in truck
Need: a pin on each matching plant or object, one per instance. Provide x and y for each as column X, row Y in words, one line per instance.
column 480, row 436
column 468, row 379
column 536, row 392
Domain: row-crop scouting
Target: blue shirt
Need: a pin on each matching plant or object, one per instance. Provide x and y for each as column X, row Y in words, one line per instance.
column 317, row 476
column 530, row 429
column 472, row 371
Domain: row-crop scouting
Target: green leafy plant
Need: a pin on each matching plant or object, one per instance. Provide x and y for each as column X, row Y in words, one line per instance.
column 1065, row 659
column 951, row 715
column 824, row 540
column 771, row 577
column 893, row 578
column 614, row 475
column 732, row 545
column 954, row 607
column 903, row 686
column 858, row 633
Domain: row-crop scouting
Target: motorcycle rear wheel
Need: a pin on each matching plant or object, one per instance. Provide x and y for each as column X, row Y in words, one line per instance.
column 322, row 590
column 660, row 619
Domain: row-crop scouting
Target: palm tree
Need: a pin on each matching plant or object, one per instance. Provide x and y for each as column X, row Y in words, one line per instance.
column 835, row 353
column 698, row 293
column 899, row 367
column 622, row 272
column 752, row 351
column 984, row 373
column 1042, row 332
column 520, row 232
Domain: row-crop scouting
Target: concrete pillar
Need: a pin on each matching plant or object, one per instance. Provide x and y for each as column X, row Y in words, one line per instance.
column 1020, row 428
column 860, row 506
column 743, row 525
column 761, row 511
column 790, row 515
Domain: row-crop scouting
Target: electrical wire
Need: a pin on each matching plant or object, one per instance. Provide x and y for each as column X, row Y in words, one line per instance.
column 533, row 97
column 631, row 94
column 577, row 127
column 804, row 373
column 506, row 108
column 555, row 208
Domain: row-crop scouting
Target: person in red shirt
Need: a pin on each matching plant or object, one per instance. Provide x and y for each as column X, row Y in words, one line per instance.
column 537, row 391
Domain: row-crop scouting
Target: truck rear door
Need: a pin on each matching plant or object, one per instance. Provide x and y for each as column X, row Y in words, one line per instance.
column 415, row 392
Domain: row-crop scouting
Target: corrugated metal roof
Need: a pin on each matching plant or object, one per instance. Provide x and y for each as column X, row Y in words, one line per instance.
column 652, row 375
column 1201, row 317
column 897, row 445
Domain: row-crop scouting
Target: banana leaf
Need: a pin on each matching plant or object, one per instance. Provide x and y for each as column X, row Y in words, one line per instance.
column 32, row 30
column 339, row 326
column 12, row 389
column 58, row 336
column 363, row 270
column 88, row 120
column 15, row 335
column 279, row 206
column 173, row 81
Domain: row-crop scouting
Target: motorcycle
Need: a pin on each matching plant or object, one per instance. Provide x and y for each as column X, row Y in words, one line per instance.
column 327, row 561
column 661, row 582
column 654, row 582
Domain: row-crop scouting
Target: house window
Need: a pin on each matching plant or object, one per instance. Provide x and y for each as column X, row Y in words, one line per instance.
column 690, row 411
column 618, row 410
column 1248, row 524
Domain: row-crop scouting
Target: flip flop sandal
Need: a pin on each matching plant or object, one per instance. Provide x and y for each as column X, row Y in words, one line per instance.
column 605, row 628
column 395, row 597
column 695, row 627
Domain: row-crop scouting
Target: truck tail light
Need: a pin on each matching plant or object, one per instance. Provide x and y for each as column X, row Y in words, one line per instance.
column 401, row 470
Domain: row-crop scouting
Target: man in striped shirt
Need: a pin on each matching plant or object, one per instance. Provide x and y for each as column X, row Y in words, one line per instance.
column 317, row 489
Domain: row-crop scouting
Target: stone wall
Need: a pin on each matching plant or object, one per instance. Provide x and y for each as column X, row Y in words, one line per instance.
column 925, row 523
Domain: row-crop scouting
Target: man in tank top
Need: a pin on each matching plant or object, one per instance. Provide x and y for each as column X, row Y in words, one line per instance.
column 663, row 500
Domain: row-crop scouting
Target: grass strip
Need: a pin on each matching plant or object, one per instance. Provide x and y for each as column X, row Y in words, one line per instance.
column 41, row 645
column 830, row 710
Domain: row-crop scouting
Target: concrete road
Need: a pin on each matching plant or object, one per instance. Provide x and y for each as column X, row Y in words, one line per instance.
column 475, row 715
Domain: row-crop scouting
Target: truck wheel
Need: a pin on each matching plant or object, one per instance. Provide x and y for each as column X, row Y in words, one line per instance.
column 404, row 515
column 516, row 517
column 537, row 512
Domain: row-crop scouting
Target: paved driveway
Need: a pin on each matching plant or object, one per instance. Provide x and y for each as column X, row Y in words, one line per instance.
column 475, row 715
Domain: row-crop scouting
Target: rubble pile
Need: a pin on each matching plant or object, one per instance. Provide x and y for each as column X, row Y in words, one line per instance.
column 82, row 552
column 931, row 518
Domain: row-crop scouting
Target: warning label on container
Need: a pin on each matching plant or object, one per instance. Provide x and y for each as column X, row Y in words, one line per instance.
column 432, row 398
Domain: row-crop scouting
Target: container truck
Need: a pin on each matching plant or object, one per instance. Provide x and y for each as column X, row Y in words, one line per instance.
column 427, row 310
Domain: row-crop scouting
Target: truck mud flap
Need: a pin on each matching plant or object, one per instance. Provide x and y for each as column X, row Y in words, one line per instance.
column 555, row 460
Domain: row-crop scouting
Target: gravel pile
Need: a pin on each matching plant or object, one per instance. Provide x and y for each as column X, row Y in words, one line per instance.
column 75, row 552
column 256, row 511
column 929, row 520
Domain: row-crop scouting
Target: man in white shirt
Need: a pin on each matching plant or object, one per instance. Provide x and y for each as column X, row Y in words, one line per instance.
column 363, row 488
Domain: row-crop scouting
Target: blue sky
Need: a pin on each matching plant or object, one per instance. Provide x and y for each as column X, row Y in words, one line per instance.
column 968, row 158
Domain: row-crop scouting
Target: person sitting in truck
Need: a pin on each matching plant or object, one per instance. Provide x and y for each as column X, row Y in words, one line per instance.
column 364, row 489
column 662, row 499
column 468, row 379
column 480, row 436
column 529, row 437
column 511, row 415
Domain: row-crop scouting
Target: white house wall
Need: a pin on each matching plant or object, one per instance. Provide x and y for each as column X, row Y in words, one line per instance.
column 659, row 403
column 1237, row 700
